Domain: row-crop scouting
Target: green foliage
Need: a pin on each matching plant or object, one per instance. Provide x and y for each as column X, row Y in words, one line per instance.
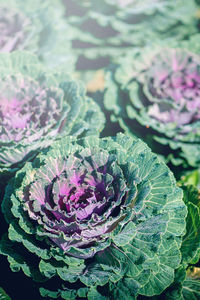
column 191, row 289
column 142, row 247
column 37, row 27
column 101, row 219
column 191, row 178
column 190, row 247
column 112, row 27
column 186, row 283
column 3, row 295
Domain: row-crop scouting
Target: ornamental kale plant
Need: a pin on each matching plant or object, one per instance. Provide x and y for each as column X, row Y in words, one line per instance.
column 95, row 213
column 36, row 26
column 103, row 30
column 159, row 88
column 37, row 107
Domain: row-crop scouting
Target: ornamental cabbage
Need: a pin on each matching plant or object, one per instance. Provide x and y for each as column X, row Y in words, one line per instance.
column 160, row 90
column 37, row 107
column 36, row 26
column 96, row 212
column 106, row 29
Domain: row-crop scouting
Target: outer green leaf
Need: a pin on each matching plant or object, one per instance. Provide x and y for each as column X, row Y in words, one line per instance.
column 125, row 235
column 190, row 247
column 191, row 289
column 174, row 292
column 3, row 295
column 93, row 294
column 46, row 293
column 126, row 288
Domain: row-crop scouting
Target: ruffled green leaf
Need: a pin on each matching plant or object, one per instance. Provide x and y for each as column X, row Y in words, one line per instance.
column 191, row 289
column 190, row 247
column 3, row 295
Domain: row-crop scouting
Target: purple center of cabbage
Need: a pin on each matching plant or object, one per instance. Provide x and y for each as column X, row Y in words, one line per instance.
column 80, row 194
column 173, row 82
column 77, row 198
column 11, row 113
column 26, row 109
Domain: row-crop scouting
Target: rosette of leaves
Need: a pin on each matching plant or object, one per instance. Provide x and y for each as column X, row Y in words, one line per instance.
column 95, row 212
column 37, row 107
column 155, row 93
column 38, row 27
column 105, row 29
